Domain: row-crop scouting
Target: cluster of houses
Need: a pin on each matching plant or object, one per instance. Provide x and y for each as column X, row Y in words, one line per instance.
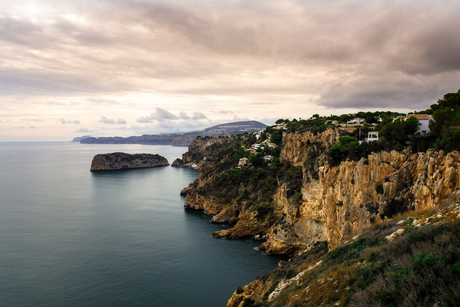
column 253, row 150
column 372, row 136
column 423, row 128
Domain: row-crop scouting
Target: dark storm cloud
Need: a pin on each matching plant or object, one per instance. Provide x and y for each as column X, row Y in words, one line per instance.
column 349, row 53
column 392, row 90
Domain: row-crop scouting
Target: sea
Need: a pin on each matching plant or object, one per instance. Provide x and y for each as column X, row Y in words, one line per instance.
column 72, row 237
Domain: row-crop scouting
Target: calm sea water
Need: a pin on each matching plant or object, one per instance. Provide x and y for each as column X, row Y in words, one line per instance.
column 71, row 237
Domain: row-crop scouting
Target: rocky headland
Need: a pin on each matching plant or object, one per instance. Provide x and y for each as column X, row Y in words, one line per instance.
column 302, row 201
column 330, row 203
column 179, row 139
column 121, row 161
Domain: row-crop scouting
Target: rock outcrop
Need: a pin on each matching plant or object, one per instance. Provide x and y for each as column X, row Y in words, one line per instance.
column 342, row 277
column 336, row 202
column 120, row 160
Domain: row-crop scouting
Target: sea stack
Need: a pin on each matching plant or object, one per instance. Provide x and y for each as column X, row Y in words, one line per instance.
column 120, row 160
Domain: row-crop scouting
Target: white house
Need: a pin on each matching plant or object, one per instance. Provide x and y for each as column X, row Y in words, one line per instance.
column 372, row 136
column 356, row 121
column 268, row 158
column 424, row 120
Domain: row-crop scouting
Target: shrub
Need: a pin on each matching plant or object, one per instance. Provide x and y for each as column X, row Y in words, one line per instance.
column 248, row 302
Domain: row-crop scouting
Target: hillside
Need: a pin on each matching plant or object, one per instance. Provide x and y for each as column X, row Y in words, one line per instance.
column 180, row 139
column 412, row 260
column 306, row 188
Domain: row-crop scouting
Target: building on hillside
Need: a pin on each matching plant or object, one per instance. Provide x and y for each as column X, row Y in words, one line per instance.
column 268, row 158
column 243, row 161
column 356, row 121
column 372, row 136
column 424, row 120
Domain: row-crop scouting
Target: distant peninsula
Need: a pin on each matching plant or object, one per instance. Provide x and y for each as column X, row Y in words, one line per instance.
column 119, row 160
column 181, row 139
column 78, row 139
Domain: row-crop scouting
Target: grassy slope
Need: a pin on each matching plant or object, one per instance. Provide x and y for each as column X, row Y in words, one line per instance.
column 421, row 267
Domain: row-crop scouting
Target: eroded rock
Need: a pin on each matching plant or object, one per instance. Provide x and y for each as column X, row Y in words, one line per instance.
column 119, row 160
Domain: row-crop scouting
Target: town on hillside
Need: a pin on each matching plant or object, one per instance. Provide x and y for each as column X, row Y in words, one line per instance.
column 365, row 132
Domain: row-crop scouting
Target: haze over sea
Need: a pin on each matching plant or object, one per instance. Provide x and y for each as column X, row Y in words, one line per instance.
column 71, row 237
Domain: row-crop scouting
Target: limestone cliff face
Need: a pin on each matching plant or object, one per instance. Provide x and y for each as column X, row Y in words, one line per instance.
column 337, row 202
column 297, row 146
column 350, row 197
column 120, row 160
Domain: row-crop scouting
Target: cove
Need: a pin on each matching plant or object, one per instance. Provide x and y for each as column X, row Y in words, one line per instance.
column 71, row 237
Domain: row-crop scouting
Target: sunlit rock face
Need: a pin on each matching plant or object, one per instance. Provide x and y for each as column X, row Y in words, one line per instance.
column 120, row 160
column 337, row 202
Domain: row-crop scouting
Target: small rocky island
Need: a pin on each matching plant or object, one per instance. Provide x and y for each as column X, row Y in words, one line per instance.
column 119, row 160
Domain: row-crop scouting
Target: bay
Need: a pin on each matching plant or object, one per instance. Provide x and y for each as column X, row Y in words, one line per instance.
column 71, row 237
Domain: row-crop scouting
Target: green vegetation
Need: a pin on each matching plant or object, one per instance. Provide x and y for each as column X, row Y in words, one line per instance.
column 346, row 147
column 248, row 302
column 399, row 131
column 445, row 128
column 420, row 268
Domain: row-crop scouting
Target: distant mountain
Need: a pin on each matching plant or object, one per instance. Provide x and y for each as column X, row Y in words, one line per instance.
column 233, row 128
column 78, row 139
column 180, row 139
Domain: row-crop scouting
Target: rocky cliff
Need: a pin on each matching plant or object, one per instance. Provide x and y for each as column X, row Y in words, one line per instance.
column 314, row 202
column 335, row 202
column 120, row 160
column 202, row 150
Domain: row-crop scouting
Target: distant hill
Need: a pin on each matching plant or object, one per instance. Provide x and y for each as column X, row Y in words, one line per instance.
column 181, row 139
column 78, row 139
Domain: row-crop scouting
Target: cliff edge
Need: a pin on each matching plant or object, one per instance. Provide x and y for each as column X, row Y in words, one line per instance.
column 301, row 198
column 120, row 160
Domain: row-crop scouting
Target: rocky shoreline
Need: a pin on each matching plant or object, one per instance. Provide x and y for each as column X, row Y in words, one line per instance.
column 331, row 204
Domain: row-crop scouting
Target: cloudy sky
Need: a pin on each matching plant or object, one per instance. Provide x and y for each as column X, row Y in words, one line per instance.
column 120, row 67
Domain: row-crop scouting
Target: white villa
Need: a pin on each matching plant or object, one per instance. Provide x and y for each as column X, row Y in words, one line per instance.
column 356, row 121
column 424, row 120
column 372, row 136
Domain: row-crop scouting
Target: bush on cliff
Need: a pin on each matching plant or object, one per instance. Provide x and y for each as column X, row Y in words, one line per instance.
column 445, row 127
column 399, row 131
column 346, row 148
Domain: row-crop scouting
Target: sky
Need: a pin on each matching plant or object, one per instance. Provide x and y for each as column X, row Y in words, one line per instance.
column 119, row 68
